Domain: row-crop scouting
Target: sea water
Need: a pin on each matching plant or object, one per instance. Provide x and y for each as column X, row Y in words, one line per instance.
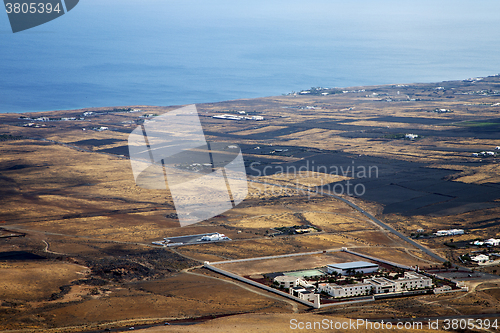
column 159, row 52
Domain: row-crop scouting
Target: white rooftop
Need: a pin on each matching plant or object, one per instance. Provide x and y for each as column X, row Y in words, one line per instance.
column 354, row 264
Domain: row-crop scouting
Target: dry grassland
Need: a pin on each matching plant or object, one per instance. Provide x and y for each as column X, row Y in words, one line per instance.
column 265, row 323
column 176, row 297
column 30, row 281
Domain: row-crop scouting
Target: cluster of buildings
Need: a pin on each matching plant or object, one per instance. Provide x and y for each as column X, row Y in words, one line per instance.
column 34, row 125
column 450, row 232
column 437, row 110
column 378, row 285
column 302, row 289
column 234, row 117
column 488, row 242
column 51, row 119
column 486, row 153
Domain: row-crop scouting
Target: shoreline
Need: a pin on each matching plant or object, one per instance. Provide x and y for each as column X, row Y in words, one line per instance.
column 97, row 108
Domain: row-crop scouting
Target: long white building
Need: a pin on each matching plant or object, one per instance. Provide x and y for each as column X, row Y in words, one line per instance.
column 451, row 232
column 347, row 290
column 378, row 285
column 352, row 267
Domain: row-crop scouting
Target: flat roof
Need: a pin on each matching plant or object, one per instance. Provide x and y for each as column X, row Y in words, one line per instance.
column 286, row 278
column 308, row 272
column 354, row 264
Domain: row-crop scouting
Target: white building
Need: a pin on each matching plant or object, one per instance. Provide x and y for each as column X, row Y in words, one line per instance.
column 287, row 281
column 411, row 136
column 381, row 285
column 480, row 258
column 451, row 232
column 307, row 295
column 352, row 267
column 442, row 289
column 213, row 237
column 228, row 117
column 412, row 280
column 378, row 285
column 492, row 242
column 348, row 290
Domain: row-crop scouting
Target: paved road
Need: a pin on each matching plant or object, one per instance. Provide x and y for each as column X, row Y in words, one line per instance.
column 392, row 230
column 372, row 218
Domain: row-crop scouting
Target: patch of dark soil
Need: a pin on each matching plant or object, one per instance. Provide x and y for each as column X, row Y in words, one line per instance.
column 19, row 256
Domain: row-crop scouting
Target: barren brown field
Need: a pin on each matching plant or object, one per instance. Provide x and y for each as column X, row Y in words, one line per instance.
column 268, row 323
column 36, row 280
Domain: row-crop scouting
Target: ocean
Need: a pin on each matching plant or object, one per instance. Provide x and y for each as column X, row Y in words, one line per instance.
column 159, row 52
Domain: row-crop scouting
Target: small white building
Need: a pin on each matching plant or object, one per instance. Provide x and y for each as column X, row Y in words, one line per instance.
column 352, row 267
column 307, row 295
column 213, row 237
column 492, row 242
column 287, row 281
column 411, row 136
column 256, row 118
column 443, row 289
column 481, row 258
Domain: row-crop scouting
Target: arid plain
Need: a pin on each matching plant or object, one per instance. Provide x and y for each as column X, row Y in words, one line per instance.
column 83, row 257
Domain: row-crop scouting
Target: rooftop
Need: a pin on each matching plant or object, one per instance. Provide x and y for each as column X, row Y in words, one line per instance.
column 284, row 278
column 354, row 264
